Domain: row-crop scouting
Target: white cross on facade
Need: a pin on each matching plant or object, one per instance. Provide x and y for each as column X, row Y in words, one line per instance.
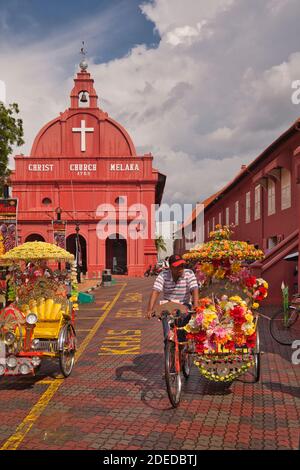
column 83, row 130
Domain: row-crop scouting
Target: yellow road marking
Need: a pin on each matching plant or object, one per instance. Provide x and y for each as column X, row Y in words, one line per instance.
column 48, row 381
column 89, row 318
column 104, row 306
column 15, row 440
column 121, row 342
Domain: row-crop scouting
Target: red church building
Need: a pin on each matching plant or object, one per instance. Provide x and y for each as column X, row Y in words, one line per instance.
column 83, row 169
column 263, row 202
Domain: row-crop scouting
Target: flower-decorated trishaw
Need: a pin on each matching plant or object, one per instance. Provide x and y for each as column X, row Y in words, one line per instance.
column 222, row 336
column 39, row 320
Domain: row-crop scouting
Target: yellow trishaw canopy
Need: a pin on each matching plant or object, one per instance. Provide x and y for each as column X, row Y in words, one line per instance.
column 31, row 251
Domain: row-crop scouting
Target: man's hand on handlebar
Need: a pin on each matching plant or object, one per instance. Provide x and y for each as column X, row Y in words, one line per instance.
column 150, row 314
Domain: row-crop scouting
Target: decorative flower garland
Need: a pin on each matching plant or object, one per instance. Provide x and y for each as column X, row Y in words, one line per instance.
column 74, row 291
column 232, row 375
column 2, row 247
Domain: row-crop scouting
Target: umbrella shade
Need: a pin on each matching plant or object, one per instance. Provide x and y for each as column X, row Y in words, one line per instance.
column 31, row 251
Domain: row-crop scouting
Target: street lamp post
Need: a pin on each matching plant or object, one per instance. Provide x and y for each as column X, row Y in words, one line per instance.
column 58, row 212
column 77, row 229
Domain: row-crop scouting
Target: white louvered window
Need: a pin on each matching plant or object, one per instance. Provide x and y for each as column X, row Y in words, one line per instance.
column 236, row 216
column 271, row 197
column 257, row 203
column 248, row 207
column 286, row 199
column 214, row 224
column 220, row 218
column 227, row 215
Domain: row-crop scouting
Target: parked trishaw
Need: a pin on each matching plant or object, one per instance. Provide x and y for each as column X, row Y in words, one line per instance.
column 221, row 336
column 38, row 320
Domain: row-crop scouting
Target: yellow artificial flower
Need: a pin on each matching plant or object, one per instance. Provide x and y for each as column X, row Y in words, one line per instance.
column 207, row 268
column 236, row 267
column 208, row 318
column 249, row 330
column 249, row 317
column 255, row 305
column 220, row 273
column 235, row 298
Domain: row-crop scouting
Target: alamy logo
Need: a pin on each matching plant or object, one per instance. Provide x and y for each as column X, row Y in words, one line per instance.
column 2, row 91
column 296, row 354
column 296, row 95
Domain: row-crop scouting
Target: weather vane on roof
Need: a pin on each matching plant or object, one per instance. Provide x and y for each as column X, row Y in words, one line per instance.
column 83, row 64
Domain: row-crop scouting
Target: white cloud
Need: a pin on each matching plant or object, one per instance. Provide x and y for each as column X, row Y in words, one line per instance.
column 169, row 14
column 188, row 34
column 213, row 94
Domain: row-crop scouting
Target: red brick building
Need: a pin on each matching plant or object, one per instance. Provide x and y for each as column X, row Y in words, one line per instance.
column 263, row 202
column 79, row 161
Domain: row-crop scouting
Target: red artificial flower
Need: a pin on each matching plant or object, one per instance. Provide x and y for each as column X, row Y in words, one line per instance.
column 261, row 293
column 263, row 290
column 200, row 337
column 199, row 348
column 238, row 314
column 190, row 336
column 250, row 281
column 251, row 340
column 230, row 345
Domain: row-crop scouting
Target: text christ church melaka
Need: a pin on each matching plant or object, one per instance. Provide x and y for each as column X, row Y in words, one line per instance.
column 79, row 161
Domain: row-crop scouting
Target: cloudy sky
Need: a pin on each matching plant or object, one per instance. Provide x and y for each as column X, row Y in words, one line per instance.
column 205, row 85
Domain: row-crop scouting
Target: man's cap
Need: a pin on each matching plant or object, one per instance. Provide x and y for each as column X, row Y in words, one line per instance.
column 176, row 260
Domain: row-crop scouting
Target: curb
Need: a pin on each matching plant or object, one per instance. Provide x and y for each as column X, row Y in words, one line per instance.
column 91, row 288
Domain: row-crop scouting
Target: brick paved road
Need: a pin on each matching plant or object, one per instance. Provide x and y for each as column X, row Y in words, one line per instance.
column 116, row 398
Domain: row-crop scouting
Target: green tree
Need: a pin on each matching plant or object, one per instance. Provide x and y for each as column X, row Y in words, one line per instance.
column 11, row 133
column 160, row 243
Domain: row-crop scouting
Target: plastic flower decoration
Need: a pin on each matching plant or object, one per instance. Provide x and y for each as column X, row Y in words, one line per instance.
column 223, row 329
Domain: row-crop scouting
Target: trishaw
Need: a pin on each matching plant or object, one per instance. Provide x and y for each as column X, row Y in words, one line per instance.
column 221, row 336
column 39, row 319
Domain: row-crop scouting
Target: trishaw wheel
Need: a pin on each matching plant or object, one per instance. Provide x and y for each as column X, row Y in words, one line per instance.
column 256, row 367
column 67, row 353
column 173, row 378
column 283, row 327
column 256, row 354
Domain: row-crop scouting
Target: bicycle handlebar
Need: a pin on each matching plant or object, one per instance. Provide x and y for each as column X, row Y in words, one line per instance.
column 166, row 312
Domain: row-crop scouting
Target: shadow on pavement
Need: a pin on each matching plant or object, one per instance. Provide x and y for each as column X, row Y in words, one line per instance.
column 286, row 389
column 147, row 372
column 48, row 370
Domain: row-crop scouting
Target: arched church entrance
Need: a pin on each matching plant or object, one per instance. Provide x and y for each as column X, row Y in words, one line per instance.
column 71, row 246
column 116, row 254
column 34, row 237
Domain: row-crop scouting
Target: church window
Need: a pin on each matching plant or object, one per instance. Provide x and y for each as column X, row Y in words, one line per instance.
column 120, row 200
column 248, row 207
column 285, row 188
column 271, row 197
column 46, row 201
